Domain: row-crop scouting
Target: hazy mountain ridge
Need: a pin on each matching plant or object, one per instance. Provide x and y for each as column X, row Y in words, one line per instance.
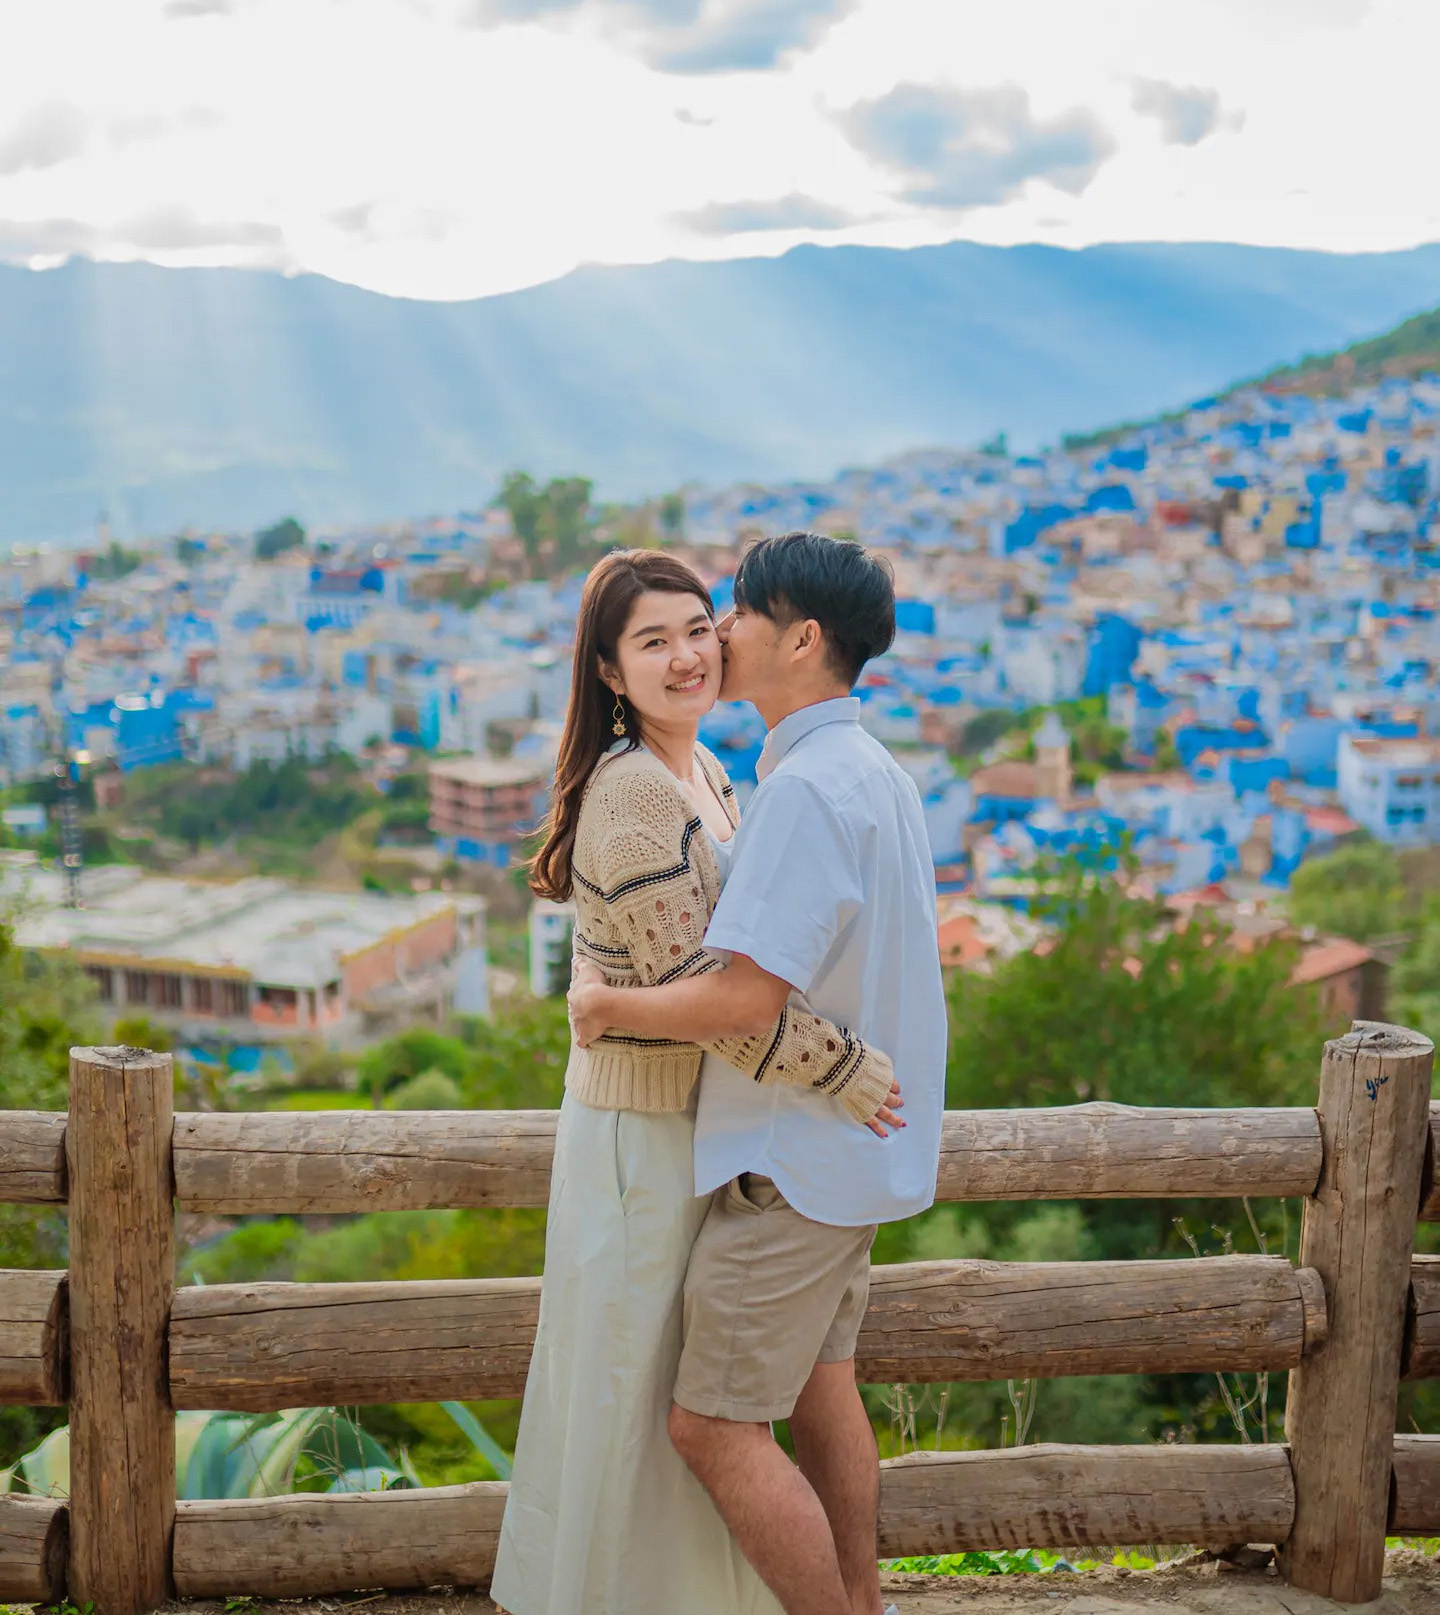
column 225, row 397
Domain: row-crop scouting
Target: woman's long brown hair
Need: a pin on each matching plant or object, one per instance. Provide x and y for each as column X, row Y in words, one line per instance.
column 611, row 590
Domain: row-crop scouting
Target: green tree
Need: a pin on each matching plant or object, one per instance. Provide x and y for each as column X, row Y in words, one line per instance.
column 284, row 535
column 672, row 516
column 555, row 519
column 399, row 1059
column 522, row 498
column 1355, row 891
column 115, row 562
column 1124, row 1006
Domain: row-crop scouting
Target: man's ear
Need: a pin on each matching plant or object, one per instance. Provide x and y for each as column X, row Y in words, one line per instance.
column 807, row 639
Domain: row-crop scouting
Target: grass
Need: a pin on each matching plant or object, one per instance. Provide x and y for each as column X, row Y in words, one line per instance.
column 318, row 1099
column 1013, row 1562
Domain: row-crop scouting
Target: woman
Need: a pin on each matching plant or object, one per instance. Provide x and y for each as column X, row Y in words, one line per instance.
column 603, row 1517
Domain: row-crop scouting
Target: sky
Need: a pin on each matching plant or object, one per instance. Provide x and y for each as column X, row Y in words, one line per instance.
column 460, row 148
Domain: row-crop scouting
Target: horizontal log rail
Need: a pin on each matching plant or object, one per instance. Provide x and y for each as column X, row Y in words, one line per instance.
column 260, row 1347
column 1415, row 1493
column 1430, row 1182
column 1044, row 1497
column 351, row 1161
column 32, row 1157
column 1084, row 1497
column 308, row 1545
column 34, row 1322
column 942, row 1321
column 34, row 1542
column 1421, row 1359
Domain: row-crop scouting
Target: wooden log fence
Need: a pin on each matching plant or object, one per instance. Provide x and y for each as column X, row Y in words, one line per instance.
column 126, row 1349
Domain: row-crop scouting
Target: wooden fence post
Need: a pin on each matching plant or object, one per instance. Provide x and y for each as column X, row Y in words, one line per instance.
column 1359, row 1231
column 122, row 1277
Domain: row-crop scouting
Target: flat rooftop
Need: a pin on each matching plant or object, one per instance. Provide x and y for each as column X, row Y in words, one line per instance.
column 493, row 770
column 272, row 931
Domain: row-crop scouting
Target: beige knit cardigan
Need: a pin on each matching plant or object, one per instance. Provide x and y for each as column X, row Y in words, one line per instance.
column 646, row 883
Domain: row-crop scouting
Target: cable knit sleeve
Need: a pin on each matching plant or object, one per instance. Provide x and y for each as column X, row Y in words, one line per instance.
column 641, row 867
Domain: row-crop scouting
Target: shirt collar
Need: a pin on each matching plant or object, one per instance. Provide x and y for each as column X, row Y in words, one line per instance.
column 785, row 734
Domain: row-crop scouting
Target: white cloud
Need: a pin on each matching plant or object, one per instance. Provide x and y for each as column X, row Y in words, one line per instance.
column 1186, row 114
column 50, row 133
column 963, row 149
column 450, row 148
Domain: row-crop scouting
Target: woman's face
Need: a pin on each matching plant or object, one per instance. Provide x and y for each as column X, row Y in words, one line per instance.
column 667, row 661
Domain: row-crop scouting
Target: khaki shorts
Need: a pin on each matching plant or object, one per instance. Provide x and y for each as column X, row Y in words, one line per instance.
column 768, row 1294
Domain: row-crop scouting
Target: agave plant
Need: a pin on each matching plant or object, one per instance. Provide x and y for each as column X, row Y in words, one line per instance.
column 263, row 1455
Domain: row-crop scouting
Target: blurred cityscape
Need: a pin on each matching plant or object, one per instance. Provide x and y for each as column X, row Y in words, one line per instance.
column 1209, row 639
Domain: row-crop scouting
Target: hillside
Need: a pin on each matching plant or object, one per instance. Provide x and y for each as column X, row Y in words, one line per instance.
column 1411, row 349
column 220, row 397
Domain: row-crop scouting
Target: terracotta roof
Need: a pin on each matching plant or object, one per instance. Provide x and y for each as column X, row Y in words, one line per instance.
column 960, row 941
column 1401, row 748
column 1006, row 779
column 1330, row 958
column 1331, row 820
column 1173, row 779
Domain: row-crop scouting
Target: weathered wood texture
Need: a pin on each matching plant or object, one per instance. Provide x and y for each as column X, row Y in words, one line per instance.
column 346, row 1161
column 266, row 1346
column 1119, row 1152
column 32, row 1157
column 122, row 1265
column 1001, row 1320
column 301, row 1546
column 1415, row 1504
column 33, row 1356
column 1061, row 1497
column 1074, row 1497
column 33, row 1540
column 1358, row 1233
column 1430, row 1185
column 1422, row 1320
column 363, row 1160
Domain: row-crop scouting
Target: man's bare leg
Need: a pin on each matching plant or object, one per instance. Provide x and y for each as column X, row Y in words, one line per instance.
column 771, row 1509
column 835, row 1447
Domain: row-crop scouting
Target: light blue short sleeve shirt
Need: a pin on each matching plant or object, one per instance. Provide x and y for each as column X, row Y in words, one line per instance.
column 832, row 888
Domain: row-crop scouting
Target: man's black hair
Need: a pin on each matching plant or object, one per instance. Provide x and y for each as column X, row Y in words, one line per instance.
column 848, row 591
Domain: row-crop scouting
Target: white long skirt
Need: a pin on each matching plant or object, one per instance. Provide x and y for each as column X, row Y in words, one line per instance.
column 603, row 1517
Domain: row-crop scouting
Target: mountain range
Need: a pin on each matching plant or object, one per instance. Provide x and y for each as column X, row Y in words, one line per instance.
column 226, row 398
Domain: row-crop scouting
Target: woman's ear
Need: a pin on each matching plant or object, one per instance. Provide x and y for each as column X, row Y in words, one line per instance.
column 610, row 677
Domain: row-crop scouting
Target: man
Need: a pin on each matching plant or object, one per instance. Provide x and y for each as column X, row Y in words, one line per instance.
column 831, row 897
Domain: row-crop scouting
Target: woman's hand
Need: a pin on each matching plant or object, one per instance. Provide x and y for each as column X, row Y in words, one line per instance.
column 589, row 1001
column 885, row 1121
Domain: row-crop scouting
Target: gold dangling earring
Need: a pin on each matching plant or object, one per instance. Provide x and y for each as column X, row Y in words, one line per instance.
column 619, row 725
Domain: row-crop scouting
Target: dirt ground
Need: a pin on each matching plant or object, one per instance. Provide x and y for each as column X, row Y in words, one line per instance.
column 1412, row 1587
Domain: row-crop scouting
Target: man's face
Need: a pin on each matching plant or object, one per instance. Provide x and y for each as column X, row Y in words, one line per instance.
column 751, row 649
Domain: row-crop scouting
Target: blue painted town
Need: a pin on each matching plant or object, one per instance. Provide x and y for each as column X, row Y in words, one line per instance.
column 1210, row 639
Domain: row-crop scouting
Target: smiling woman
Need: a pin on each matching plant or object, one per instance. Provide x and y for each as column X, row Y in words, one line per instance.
column 602, row 1513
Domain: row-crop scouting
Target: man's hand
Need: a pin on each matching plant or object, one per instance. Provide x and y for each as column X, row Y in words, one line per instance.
column 589, row 1001
column 885, row 1117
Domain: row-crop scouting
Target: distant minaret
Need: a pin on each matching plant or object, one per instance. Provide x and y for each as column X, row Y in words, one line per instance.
column 103, row 534
column 1052, row 760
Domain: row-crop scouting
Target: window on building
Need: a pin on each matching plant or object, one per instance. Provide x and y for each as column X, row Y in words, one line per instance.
column 202, row 995
column 137, row 986
column 168, row 993
column 234, row 998
column 1408, row 782
column 104, row 978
